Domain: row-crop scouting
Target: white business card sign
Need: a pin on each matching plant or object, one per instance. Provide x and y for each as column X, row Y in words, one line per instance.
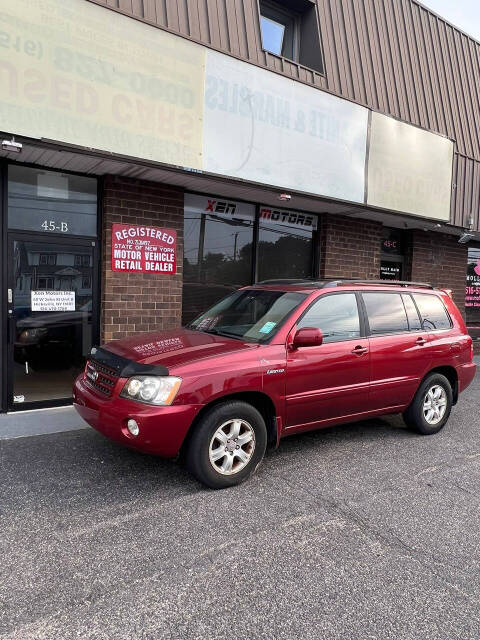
column 53, row 300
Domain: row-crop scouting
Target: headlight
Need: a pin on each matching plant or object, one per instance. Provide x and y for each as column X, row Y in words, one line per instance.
column 160, row 390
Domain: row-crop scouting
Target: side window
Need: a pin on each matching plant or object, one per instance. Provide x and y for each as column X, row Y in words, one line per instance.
column 432, row 311
column 336, row 315
column 386, row 313
column 412, row 313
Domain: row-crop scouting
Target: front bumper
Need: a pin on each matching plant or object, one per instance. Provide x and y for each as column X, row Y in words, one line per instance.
column 162, row 429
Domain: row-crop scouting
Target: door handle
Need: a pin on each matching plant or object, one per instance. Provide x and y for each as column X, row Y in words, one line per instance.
column 359, row 350
column 421, row 341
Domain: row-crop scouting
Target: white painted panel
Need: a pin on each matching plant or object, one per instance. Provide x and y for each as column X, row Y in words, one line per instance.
column 409, row 169
column 263, row 127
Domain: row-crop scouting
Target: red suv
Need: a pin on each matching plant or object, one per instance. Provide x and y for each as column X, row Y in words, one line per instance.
column 274, row 359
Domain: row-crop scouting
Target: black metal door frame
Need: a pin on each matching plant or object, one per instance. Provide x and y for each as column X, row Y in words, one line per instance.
column 3, row 287
column 46, row 238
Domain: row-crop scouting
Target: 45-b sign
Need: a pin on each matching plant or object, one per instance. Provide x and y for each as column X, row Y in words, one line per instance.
column 51, row 225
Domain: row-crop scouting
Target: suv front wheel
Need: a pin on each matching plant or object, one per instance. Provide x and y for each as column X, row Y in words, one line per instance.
column 227, row 445
column 431, row 406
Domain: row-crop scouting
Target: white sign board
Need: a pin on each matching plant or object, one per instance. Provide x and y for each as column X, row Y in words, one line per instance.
column 74, row 72
column 262, row 127
column 409, row 169
column 53, row 300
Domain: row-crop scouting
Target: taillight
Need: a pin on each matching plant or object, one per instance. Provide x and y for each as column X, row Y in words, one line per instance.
column 471, row 351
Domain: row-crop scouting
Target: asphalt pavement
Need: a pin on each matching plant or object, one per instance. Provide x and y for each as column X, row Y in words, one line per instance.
column 365, row 531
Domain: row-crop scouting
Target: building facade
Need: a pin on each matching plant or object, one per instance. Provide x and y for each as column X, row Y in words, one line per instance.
column 158, row 154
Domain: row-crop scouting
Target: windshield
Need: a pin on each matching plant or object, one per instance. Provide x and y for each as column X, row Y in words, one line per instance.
column 254, row 315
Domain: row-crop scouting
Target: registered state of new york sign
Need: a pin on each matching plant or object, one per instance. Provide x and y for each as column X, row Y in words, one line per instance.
column 144, row 249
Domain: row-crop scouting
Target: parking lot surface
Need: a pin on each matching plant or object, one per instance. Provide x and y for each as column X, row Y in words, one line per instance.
column 365, row 531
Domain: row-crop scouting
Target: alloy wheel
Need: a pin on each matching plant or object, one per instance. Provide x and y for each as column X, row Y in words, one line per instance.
column 434, row 404
column 232, row 446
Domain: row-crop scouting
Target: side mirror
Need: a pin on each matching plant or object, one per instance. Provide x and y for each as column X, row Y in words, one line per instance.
column 307, row 337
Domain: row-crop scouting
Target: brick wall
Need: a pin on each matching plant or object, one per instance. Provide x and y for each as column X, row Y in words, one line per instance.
column 438, row 259
column 349, row 248
column 133, row 302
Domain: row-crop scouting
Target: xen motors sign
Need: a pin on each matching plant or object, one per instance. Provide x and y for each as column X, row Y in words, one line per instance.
column 288, row 218
column 221, row 206
column 225, row 208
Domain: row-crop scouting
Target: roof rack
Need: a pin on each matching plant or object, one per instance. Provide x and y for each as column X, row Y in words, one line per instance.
column 383, row 283
column 299, row 282
column 338, row 282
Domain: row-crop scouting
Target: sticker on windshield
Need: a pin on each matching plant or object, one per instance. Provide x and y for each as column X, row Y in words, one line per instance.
column 267, row 327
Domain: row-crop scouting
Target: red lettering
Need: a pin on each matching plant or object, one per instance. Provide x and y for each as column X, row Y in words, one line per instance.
column 87, row 99
column 211, row 204
column 61, row 96
column 121, row 109
column 12, row 78
column 144, row 115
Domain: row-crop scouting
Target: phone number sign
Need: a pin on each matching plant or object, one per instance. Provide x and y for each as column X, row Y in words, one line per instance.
column 143, row 249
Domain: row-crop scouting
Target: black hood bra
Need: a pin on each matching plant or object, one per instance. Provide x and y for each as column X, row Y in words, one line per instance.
column 124, row 367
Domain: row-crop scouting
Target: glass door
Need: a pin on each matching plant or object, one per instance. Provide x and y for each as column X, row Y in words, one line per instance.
column 50, row 299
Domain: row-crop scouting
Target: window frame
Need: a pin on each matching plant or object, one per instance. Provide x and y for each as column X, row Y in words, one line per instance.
column 48, row 262
column 386, row 333
column 421, row 293
column 308, row 30
column 360, row 309
column 281, row 15
column 404, row 295
column 47, row 280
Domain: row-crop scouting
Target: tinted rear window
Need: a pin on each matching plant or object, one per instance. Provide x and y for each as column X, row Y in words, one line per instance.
column 386, row 313
column 432, row 311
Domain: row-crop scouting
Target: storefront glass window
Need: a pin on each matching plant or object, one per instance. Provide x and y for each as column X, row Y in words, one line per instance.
column 285, row 244
column 51, row 202
column 218, row 240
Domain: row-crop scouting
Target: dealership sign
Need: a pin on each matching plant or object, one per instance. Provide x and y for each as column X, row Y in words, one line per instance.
column 287, row 218
column 143, row 249
column 231, row 209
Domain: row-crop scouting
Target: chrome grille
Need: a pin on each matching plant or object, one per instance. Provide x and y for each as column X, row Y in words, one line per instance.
column 100, row 377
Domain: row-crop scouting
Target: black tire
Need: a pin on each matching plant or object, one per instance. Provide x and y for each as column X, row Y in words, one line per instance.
column 414, row 416
column 201, row 444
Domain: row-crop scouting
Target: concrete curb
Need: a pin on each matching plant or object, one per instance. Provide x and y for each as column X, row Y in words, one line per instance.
column 39, row 422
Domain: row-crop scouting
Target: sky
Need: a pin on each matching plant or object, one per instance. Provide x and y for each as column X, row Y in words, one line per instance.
column 464, row 14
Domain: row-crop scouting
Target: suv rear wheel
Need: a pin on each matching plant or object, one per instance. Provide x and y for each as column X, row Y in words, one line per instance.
column 431, row 406
column 227, row 445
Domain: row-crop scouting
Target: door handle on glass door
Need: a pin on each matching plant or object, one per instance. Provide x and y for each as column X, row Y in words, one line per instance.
column 359, row 350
